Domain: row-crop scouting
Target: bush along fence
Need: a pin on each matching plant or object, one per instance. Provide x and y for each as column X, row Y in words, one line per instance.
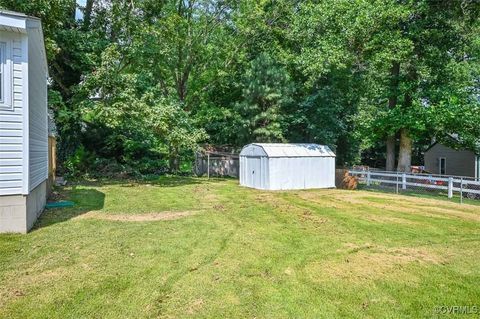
column 398, row 182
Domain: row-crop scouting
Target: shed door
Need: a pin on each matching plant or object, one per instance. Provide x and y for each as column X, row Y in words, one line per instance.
column 254, row 172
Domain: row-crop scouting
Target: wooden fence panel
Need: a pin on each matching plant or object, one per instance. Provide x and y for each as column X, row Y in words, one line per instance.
column 52, row 162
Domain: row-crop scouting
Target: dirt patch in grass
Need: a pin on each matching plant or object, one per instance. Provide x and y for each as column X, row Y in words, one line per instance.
column 307, row 216
column 19, row 283
column 370, row 262
column 137, row 217
column 208, row 198
column 433, row 209
column 389, row 220
column 353, row 200
column 345, row 200
column 195, row 306
column 454, row 211
column 281, row 205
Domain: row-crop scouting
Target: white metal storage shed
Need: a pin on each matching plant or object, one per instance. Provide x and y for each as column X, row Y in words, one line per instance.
column 287, row 166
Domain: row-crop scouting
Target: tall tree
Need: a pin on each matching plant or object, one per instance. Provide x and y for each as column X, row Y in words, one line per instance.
column 404, row 51
column 440, row 35
column 392, row 103
column 267, row 91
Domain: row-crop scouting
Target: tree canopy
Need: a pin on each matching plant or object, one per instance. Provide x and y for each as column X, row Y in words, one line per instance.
column 138, row 84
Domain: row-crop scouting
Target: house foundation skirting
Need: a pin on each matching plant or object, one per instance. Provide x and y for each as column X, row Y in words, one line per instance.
column 18, row 213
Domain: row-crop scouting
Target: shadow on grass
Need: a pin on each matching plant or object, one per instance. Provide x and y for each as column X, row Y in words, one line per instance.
column 85, row 199
column 88, row 199
column 160, row 181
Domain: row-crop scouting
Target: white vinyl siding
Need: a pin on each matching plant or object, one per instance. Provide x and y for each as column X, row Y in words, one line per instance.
column 12, row 136
column 37, row 97
column 23, row 106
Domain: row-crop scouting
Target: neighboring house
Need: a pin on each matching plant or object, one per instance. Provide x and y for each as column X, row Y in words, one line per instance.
column 23, row 122
column 444, row 160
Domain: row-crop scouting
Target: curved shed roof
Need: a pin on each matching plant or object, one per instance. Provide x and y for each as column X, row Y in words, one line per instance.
column 286, row 150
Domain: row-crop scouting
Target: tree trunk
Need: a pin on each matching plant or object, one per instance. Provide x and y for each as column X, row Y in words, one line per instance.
column 173, row 161
column 405, row 152
column 392, row 103
column 87, row 14
column 73, row 11
column 390, row 165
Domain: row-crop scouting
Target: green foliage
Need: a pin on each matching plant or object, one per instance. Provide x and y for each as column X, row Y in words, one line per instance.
column 78, row 162
column 413, row 64
column 140, row 84
column 266, row 91
column 130, row 122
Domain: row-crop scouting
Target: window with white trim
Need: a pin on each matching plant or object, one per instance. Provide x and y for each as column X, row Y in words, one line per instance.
column 2, row 73
column 5, row 77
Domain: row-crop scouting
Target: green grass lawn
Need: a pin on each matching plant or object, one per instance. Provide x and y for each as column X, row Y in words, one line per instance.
column 188, row 247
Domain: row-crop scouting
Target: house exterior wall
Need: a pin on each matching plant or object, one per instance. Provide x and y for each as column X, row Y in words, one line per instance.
column 23, row 123
column 458, row 162
column 37, row 97
column 12, row 118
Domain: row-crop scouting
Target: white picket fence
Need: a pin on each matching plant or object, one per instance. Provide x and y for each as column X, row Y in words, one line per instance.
column 465, row 186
